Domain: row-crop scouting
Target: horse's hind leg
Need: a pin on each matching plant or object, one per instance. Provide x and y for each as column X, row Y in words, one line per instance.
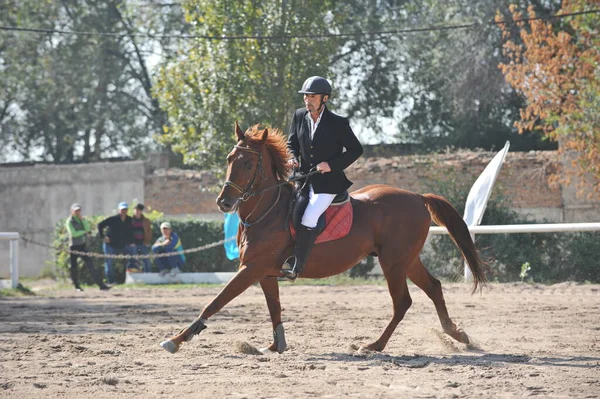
column 419, row 275
column 395, row 274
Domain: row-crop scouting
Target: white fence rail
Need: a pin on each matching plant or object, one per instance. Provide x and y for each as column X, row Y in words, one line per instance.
column 14, row 259
column 525, row 228
column 520, row 228
column 497, row 229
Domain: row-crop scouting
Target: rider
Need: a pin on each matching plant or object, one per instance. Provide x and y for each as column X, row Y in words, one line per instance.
column 324, row 141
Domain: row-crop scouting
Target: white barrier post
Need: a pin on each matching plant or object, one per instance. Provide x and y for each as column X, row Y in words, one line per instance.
column 14, row 256
column 14, row 263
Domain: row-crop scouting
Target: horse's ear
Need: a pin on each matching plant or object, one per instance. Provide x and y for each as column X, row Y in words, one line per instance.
column 240, row 135
column 265, row 134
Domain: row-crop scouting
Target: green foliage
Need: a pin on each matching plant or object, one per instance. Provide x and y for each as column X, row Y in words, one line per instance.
column 457, row 94
column 363, row 268
column 557, row 256
column 193, row 233
column 525, row 268
column 216, row 82
column 67, row 98
column 21, row 290
column 196, row 233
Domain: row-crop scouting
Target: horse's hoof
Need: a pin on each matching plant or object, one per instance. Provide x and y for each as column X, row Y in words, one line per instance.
column 369, row 348
column 169, row 346
column 266, row 351
column 463, row 337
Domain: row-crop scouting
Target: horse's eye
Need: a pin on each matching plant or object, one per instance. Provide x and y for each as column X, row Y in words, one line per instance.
column 248, row 165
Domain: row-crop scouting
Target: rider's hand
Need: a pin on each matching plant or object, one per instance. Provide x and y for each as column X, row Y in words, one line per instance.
column 293, row 162
column 323, row 167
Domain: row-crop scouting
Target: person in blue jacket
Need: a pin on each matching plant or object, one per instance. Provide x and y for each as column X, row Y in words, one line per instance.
column 168, row 242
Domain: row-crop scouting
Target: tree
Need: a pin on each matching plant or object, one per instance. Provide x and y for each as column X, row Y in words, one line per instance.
column 557, row 69
column 214, row 82
column 438, row 88
column 454, row 93
column 72, row 97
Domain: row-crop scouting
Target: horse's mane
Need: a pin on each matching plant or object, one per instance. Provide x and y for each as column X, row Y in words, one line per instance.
column 276, row 144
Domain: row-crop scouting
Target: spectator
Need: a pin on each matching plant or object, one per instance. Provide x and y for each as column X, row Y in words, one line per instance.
column 168, row 242
column 119, row 235
column 142, row 238
column 78, row 229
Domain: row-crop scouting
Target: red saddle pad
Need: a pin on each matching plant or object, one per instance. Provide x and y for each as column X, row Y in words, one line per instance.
column 338, row 222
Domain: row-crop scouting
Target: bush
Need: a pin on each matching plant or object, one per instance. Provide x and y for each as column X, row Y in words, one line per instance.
column 196, row 233
column 363, row 268
column 553, row 257
column 193, row 233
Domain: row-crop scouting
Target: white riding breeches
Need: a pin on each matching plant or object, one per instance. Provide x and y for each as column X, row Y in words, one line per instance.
column 317, row 204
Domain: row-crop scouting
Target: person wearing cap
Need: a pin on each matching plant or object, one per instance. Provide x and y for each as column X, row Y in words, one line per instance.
column 168, row 242
column 117, row 233
column 142, row 238
column 322, row 141
column 78, row 229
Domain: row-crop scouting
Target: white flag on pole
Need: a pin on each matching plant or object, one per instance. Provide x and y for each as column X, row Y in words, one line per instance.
column 480, row 193
column 482, row 189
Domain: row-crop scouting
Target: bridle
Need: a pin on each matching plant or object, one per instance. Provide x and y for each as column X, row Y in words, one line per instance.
column 246, row 193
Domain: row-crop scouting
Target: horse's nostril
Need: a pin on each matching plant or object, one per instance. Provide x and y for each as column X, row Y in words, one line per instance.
column 223, row 203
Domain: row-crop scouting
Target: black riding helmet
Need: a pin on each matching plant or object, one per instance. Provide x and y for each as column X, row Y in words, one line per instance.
column 316, row 85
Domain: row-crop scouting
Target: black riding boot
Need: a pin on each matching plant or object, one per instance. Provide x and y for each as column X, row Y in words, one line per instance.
column 294, row 265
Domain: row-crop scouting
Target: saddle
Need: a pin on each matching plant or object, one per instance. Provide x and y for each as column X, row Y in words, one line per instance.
column 333, row 224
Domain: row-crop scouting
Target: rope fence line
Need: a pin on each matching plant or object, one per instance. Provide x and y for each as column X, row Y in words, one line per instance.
column 149, row 256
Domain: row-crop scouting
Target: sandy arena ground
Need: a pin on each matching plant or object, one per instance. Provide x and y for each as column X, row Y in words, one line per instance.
column 530, row 340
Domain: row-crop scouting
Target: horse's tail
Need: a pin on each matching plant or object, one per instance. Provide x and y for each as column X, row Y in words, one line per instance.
column 444, row 214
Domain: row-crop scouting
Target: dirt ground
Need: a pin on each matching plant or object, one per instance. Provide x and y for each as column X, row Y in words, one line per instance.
column 530, row 340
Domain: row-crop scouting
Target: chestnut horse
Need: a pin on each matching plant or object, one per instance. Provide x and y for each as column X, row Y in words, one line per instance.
column 389, row 222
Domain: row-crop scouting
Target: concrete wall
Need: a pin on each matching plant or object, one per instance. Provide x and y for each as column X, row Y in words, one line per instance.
column 33, row 198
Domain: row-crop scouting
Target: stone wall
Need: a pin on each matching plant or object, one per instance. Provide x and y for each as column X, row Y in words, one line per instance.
column 34, row 198
column 181, row 192
column 523, row 178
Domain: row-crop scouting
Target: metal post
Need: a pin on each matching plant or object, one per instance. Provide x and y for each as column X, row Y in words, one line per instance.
column 14, row 263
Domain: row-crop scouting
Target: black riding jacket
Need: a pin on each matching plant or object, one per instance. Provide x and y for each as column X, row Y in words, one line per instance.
column 334, row 142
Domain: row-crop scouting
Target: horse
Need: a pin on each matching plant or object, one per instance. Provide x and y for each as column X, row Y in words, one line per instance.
column 387, row 221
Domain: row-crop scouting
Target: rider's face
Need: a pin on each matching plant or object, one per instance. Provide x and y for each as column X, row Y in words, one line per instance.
column 313, row 102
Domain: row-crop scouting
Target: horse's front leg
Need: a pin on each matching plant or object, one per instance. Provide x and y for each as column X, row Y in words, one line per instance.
column 270, row 288
column 244, row 278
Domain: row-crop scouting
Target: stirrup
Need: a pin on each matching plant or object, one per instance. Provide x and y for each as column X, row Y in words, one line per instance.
column 288, row 271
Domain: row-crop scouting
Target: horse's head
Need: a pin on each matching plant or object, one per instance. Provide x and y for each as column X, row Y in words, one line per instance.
column 245, row 169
